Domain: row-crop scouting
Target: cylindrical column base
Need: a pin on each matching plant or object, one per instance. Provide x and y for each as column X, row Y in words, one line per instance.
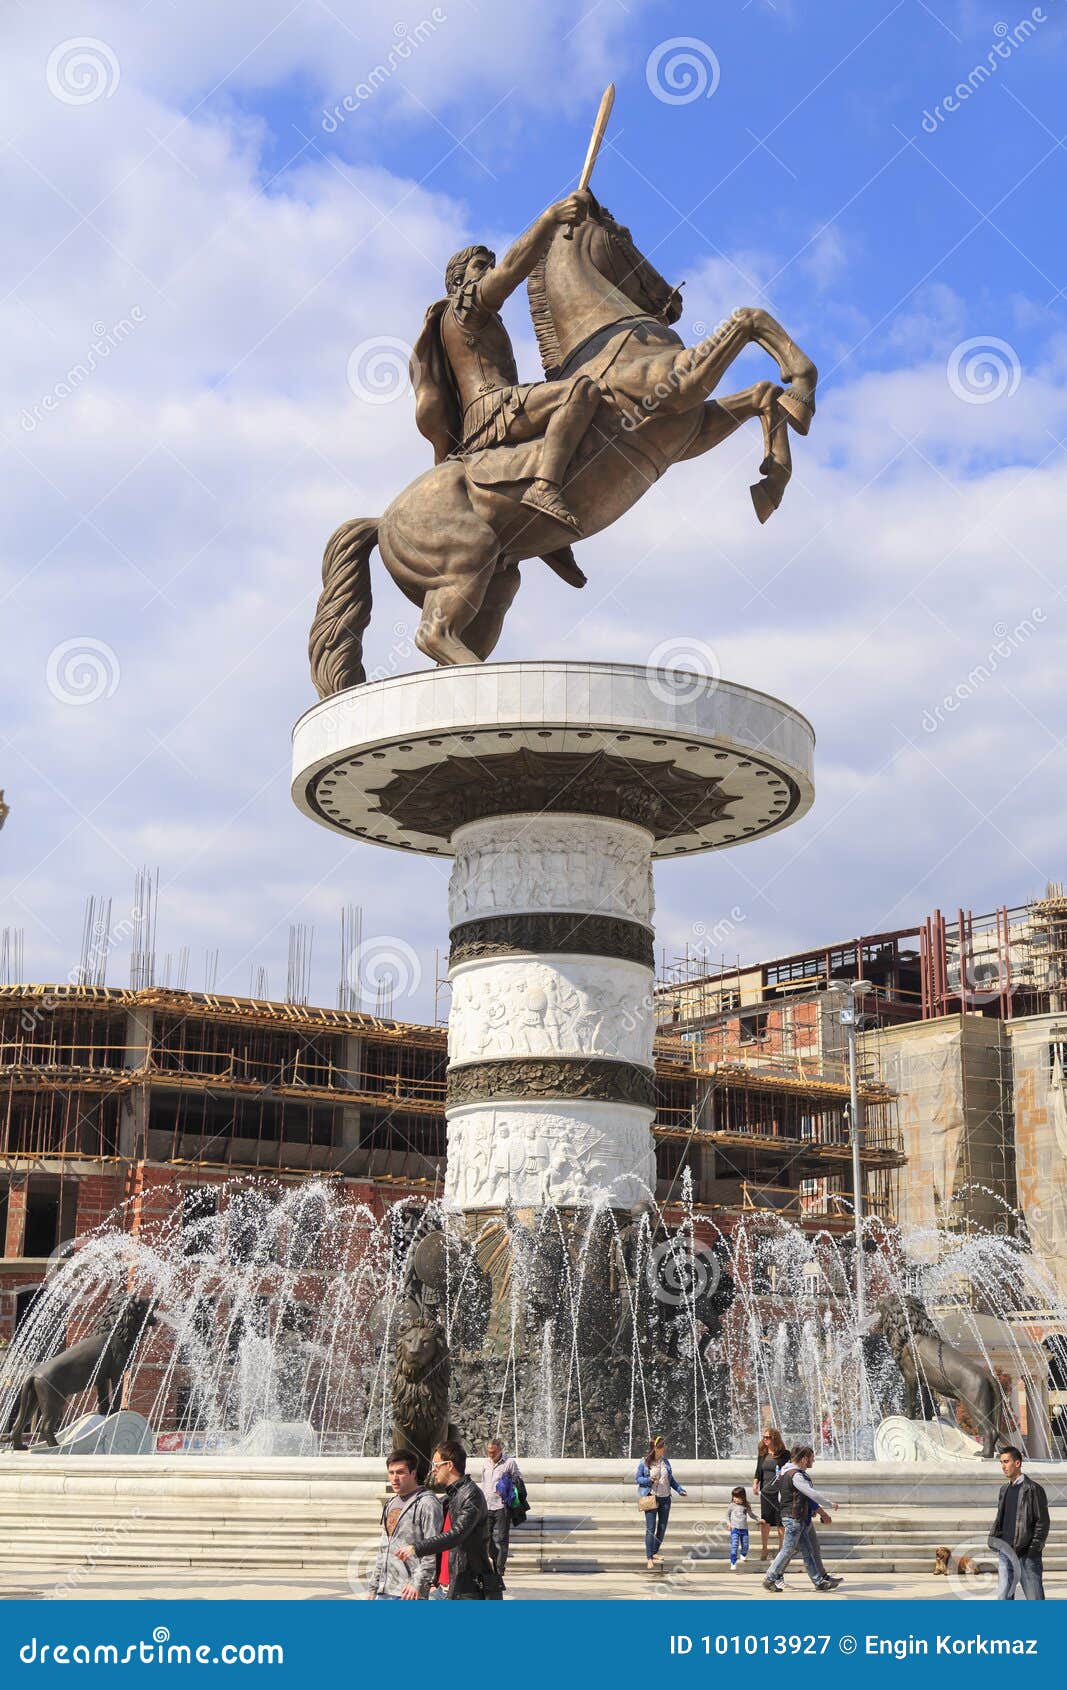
column 570, row 1155
column 550, row 1084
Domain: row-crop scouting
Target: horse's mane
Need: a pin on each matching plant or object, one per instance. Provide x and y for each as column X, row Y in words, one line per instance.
column 537, row 293
column 544, row 327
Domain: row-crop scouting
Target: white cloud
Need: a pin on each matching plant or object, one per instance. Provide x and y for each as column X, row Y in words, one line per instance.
column 175, row 504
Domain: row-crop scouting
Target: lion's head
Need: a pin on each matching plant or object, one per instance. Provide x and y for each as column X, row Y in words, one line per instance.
column 420, row 1347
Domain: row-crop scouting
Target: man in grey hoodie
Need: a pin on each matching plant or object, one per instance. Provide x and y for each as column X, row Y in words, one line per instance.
column 409, row 1513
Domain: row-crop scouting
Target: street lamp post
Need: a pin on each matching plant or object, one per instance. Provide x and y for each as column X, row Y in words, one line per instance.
column 849, row 1018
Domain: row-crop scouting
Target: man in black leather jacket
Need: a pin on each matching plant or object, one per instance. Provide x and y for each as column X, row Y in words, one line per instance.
column 465, row 1571
column 1019, row 1530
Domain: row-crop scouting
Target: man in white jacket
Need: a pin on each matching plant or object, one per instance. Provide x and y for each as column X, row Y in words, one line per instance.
column 800, row 1502
column 498, row 1466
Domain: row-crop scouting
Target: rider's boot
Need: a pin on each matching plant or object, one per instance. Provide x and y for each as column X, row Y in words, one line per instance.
column 545, row 496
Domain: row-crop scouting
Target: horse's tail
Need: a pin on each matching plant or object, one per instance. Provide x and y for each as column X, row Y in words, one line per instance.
column 335, row 645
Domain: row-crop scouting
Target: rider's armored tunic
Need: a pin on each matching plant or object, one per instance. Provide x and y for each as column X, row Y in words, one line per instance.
column 479, row 351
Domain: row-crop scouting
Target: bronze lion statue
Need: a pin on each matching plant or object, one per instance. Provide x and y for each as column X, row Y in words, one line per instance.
column 100, row 1360
column 420, row 1388
column 925, row 1359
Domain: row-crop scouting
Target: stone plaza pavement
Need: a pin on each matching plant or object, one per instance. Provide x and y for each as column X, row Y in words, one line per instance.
column 713, row 1585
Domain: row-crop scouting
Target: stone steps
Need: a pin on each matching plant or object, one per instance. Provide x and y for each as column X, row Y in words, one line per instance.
column 65, row 1520
column 41, row 1546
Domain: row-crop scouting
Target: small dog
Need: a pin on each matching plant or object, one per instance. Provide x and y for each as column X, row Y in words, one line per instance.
column 945, row 1562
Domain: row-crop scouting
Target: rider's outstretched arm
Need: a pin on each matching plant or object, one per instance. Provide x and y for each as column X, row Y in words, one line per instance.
column 520, row 259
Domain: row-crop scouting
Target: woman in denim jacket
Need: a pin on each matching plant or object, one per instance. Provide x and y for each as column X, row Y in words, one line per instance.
column 655, row 1478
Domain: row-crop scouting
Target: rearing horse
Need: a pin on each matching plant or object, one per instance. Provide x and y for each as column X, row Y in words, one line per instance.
column 453, row 540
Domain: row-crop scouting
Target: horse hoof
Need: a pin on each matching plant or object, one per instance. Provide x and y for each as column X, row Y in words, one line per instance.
column 765, row 499
column 798, row 404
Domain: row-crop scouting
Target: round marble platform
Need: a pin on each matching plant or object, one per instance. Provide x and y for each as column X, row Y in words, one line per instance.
column 553, row 786
column 701, row 764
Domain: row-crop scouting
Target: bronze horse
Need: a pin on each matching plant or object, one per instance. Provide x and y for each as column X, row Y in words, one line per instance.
column 100, row 1360
column 925, row 1359
column 453, row 540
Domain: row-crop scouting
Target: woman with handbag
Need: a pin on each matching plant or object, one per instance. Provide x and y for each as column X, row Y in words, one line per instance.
column 655, row 1481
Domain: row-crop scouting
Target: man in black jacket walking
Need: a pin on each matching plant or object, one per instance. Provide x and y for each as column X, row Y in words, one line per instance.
column 1019, row 1530
column 465, row 1572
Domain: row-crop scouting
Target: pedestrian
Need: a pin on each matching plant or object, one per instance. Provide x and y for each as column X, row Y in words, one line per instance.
column 771, row 1457
column 411, row 1512
column 829, row 1436
column 800, row 1502
column 655, row 1481
column 465, row 1572
column 1019, row 1530
column 505, row 1493
column 737, row 1517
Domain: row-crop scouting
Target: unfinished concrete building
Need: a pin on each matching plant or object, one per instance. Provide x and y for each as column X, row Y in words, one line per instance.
column 966, row 1025
column 137, row 1097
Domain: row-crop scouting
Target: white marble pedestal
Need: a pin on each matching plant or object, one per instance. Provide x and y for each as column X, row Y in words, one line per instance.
column 553, row 786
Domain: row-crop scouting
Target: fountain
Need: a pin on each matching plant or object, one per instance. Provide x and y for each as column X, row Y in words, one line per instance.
column 277, row 1326
column 553, row 787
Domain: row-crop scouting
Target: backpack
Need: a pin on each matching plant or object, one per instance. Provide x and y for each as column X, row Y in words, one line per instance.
column 780, row 1490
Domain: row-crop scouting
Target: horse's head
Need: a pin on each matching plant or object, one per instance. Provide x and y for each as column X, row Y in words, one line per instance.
column 591, row 278
column 630, row 270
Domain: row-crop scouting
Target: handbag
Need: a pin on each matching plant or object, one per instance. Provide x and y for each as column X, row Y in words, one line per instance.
column 649, row 1502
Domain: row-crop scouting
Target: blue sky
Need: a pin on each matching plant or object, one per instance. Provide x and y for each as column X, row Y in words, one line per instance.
column 205, row 249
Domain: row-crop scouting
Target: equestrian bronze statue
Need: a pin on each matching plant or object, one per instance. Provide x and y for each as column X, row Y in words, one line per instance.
column 522, row 469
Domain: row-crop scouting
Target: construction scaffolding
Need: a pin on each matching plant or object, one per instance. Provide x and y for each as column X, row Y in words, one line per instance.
column 773, row 1114
column 198, row 1079
column 1009, row 962
column 1048, row 920
column 91, row 1072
